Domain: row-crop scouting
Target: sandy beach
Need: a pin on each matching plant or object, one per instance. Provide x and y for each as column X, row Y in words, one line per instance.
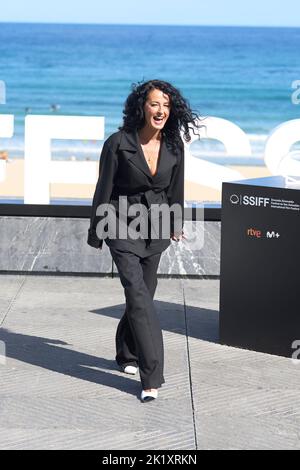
column 13, row 185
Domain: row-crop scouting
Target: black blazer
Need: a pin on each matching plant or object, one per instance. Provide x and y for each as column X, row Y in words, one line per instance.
column 124, row 171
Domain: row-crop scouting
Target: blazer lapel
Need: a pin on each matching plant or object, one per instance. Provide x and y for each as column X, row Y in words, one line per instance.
column 131, row 143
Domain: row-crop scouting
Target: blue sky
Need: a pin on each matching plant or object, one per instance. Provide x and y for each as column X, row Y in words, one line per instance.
column 186, row 12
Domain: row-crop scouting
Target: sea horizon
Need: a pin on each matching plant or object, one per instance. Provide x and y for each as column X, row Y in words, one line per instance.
column 151, row 24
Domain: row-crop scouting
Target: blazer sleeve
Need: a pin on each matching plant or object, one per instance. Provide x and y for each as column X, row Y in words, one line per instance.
column 108, row 165
column 175, row 192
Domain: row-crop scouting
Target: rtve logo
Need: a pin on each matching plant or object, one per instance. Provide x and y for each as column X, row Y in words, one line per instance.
column 255, row 233
column 252, row 232
column 245, row 200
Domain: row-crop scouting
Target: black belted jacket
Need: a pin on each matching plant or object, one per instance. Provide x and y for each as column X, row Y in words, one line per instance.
column 124, row 172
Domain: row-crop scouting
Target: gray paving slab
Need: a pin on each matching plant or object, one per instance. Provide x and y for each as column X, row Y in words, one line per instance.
column 241, row 399
column 9, row 288
column 61, row 388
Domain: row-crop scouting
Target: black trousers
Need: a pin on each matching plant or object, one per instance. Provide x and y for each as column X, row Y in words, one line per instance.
column 139, row 340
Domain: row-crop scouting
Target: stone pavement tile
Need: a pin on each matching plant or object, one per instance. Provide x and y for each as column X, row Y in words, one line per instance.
column 241, row 399
column 65, row 439
column 223, row 432
column 101, row 401
column 60, row 385
column 244, row 399
column 10, row 285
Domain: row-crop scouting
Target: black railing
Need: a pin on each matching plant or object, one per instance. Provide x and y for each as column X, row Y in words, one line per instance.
column 212, row 212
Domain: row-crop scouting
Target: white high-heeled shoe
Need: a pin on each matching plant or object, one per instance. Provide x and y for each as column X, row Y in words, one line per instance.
column 132, row 370
column 148, row 396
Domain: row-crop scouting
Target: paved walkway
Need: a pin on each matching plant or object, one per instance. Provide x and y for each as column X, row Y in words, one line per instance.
column 60, row 388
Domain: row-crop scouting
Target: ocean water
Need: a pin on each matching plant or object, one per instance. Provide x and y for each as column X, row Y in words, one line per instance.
column 242, row 74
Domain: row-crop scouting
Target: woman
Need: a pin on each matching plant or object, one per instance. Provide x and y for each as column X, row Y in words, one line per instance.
column 142, row 164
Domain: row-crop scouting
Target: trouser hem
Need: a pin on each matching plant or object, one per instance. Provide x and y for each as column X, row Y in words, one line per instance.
column 147, row 386
column 125, row 364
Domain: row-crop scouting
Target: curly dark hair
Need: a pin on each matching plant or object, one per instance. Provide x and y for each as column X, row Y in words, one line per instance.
column 181, row 116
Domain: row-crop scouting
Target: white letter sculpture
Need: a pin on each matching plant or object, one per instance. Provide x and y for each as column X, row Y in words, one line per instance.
column 210, row 174
column 278, row 157
column 40, row 170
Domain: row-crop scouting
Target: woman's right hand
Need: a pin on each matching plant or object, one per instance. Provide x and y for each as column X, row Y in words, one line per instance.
column 178, row 237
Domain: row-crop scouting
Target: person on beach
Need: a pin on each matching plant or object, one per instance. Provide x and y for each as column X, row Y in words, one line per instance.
column 143, row 162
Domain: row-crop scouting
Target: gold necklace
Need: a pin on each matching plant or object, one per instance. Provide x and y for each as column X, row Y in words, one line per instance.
column 149, row 158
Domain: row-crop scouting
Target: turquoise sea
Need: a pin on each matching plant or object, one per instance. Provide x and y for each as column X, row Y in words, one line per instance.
column 241, row 74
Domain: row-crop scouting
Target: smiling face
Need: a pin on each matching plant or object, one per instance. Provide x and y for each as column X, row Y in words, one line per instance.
column 157, row 109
